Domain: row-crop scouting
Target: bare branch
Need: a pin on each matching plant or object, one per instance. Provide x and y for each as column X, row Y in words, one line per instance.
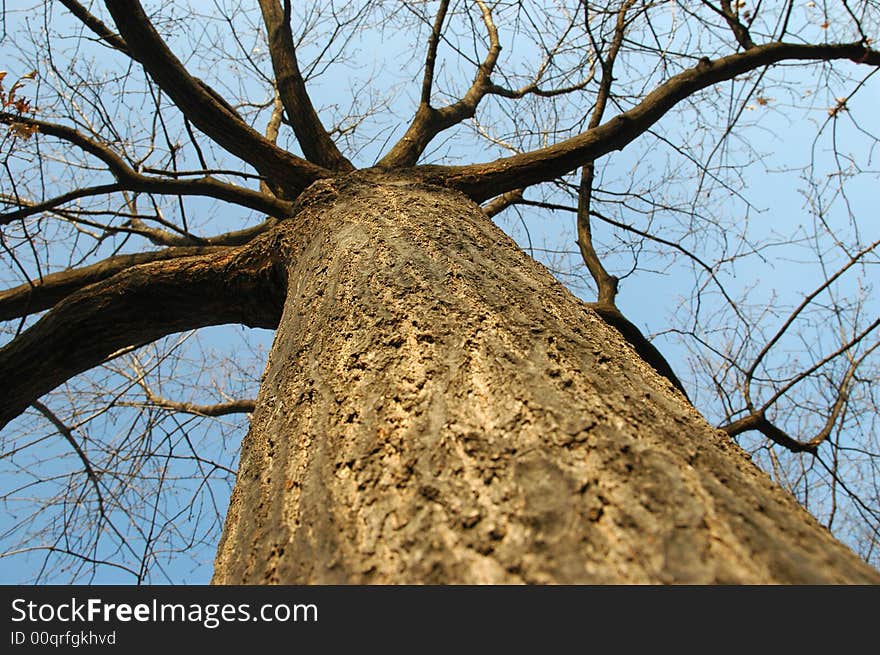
column 483, row 181
column 606, row 284
column 740, row 31
column 111, row 38
column 846, row 347
column 163, row 237
column 431, row 57
column 629, row 228
column 96, row 25
column 795, row 313
column 758, row 421
column 244, row 406
column 200, row 106
column 67, row 433
column 70, row 553
column 131, row 180
column 43, row 294
column 275, row 118
column 116, row 164
column 428, row 121
column 757, row 418
column 313, row 138
column 137, row 306
column 502, row 202
column 27, row 208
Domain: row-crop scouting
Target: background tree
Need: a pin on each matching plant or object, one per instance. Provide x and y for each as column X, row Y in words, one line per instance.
column 166, row 169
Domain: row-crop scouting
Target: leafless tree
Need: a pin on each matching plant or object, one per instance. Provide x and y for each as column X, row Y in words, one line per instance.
column 433, row 407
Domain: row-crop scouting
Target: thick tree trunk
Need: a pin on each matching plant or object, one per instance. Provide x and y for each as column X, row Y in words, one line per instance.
column 438, row 409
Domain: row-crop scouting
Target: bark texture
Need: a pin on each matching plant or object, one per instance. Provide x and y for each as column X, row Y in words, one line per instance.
column 438, row 409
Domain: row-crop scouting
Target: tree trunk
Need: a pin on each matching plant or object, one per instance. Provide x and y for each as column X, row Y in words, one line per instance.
column 438, row 409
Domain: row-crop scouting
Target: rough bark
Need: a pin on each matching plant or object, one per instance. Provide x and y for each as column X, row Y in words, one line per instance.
column 438, row 409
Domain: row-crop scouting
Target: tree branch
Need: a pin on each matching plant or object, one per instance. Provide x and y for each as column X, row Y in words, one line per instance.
column 750, row 372
column 758, row 421
column 428, row 121
column 96, row 25
column 710, row 271
column 112, row 39
column 129, row 179
column 606, row 284
column 634, row 337
column 203, row 108
column 26, row 208
column 65, row 431
column 431, row 57
column 244, row 406
column 502, row 202
column 740, row 31
column 313, row 138
column 163, row 237
column 43, row 294
column 137, row 306
column 533, row 89
column 483, row 181
column 115, row 163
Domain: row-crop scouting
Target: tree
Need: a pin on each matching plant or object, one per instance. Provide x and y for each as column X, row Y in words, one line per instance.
column 436, row 407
